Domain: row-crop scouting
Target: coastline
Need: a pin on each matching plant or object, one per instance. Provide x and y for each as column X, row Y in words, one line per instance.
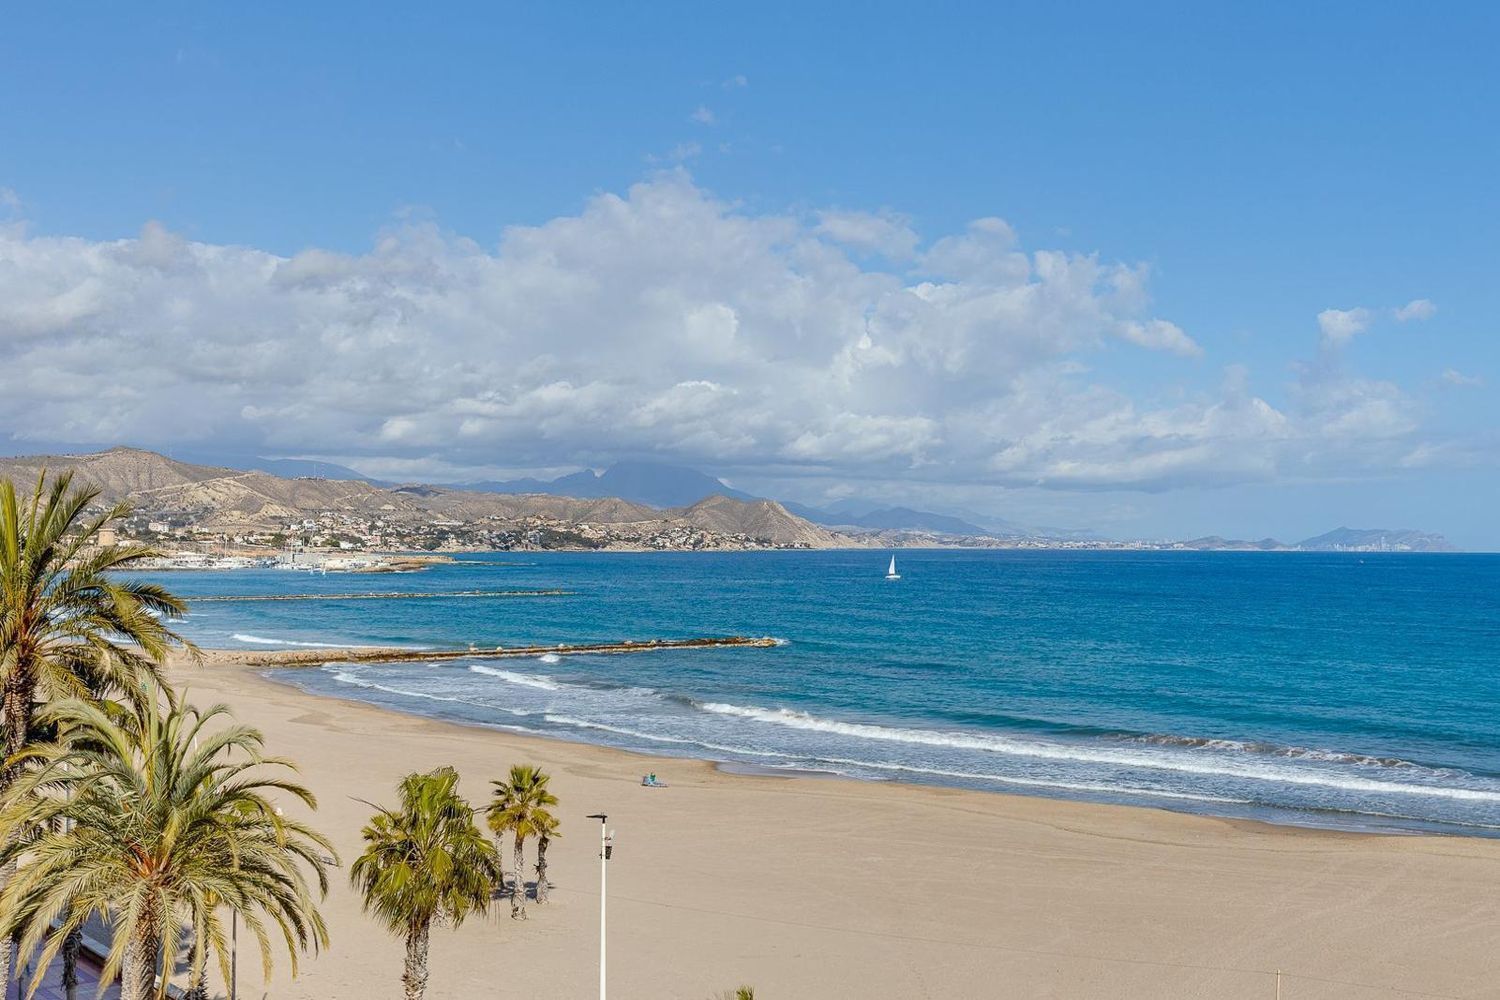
column 807, row 887
column 281, row 666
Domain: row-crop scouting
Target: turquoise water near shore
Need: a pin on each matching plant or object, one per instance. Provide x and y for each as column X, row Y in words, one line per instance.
column 1356, row 691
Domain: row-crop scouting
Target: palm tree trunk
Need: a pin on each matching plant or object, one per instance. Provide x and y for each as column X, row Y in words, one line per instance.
column 7, row 946
column 518, row 893
column 499, row 865
column 72, row 945
column 138, row 977
column 541, row 868
column 415, row 977
column 197, row 976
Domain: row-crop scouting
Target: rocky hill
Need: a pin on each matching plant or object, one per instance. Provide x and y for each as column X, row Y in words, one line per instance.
column 234, row 501
column 1377, row 540
column 757, row 518
column 1337, row 540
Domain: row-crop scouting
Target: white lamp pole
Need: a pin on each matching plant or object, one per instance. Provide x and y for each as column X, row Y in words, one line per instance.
column 605, row 849
column 234, row 952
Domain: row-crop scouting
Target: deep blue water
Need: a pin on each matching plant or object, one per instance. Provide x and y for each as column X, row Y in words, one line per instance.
column 1348, row 690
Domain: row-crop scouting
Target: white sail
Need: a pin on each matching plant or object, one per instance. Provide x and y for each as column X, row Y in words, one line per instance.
column 891, row 573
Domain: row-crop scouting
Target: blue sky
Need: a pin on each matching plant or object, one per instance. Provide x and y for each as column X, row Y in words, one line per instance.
column 1250, row 169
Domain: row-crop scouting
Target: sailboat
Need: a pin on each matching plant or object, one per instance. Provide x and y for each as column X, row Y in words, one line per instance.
column 891, row 573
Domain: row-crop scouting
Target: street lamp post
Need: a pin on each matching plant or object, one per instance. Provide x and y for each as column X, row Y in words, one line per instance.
column 606, row 848
column 234, row 951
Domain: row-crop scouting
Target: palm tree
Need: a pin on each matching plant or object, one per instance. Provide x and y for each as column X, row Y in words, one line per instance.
column 71, row 946
column 547, row 825
column 520, row 808
column 167, row 818
column 425, row 860
column 197, row 969
column 67, row 628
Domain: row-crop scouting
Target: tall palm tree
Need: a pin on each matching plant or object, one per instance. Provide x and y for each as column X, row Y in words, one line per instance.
column 167, row 818
column 425, row 860
column 197, row 969
column 520, row 808
column 71, row 946
column 68, row 629
column 547, row 829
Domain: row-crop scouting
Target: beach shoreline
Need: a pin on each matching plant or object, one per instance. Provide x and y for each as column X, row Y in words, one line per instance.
column 283, row 667
column 807, row 887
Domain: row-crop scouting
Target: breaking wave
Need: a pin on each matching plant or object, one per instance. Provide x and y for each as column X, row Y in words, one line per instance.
column 260, row 640
column 1181, row 761
column 354, row 680
column 1281, row 750
column 540, row 681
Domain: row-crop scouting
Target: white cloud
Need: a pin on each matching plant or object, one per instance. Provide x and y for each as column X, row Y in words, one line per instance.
column 1416, row 309
column 680, row 153
column 885, row 233
column 1453, row 376
column 1355, row 411
column 662, row 321
column 1339, row 326
column 1160, row 335
column 703, row 115
column 736, row 81
column 985, row 249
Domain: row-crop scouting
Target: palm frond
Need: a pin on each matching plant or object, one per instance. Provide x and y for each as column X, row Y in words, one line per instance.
column 143, row 830
column 426, row 860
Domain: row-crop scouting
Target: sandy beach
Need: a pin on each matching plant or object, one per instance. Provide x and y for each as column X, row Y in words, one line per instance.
column 807, row 887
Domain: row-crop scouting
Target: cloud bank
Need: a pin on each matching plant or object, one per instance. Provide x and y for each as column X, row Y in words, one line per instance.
column 670, row 323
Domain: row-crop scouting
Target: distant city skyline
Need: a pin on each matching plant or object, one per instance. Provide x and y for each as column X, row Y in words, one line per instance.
column 1158, row 273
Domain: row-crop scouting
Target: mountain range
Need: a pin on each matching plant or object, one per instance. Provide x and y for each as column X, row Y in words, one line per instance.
column 1337, row 540
column 657, row 484
column 651, row 483
column 228, row 500
column 1376, row 540
column 650, row 498
column 664, row 486
column 890, row 519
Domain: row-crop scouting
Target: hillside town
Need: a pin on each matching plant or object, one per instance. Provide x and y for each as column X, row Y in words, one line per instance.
column 335, row 540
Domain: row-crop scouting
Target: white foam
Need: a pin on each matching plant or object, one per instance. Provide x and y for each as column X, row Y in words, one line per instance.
column 541, row 681
column 1036, row 782
column 1167, row 760
column 550, row 658
column 346, row 677
column 260, row 640
column 796, row 761
column 567, row 720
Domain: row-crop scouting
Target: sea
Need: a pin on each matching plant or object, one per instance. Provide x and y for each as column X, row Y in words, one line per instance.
column 1357, row 691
